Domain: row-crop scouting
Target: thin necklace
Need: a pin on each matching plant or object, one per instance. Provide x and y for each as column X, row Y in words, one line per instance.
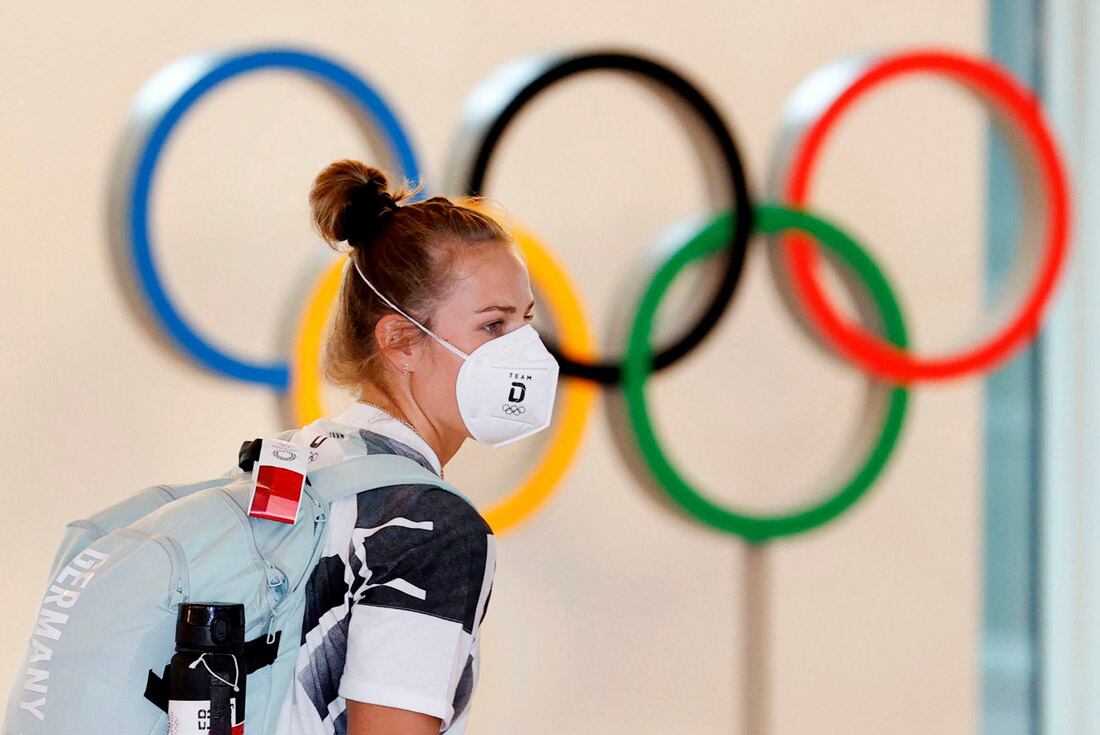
column 406, row 423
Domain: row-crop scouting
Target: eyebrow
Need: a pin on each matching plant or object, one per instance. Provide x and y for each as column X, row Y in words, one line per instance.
column 505, row 309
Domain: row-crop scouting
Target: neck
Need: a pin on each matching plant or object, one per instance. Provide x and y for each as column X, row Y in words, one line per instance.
column 444, row 443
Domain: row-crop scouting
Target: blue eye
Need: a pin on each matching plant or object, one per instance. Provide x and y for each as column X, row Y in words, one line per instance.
column 493, row 327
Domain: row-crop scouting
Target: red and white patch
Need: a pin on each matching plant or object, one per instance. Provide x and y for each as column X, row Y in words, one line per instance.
column 277, row 480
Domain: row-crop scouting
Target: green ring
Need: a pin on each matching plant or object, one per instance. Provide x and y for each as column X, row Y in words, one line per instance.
column 637, row 369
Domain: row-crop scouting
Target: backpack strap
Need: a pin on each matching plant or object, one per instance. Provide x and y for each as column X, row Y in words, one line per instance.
column 371, row 471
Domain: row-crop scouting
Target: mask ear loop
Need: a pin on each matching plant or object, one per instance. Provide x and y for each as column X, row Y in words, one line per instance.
column 394, row 306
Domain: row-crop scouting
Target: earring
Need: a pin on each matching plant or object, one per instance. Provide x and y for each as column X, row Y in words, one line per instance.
column 405, row 369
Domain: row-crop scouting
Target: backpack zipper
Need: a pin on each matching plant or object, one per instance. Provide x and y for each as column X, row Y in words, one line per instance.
column 320, row 519
column 275, row 579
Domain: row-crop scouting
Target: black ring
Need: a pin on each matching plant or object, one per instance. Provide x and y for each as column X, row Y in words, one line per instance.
column 530, row 77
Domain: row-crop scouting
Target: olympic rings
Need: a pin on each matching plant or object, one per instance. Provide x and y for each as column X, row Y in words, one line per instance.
column 812, row 112
column 578, row 397
column 758, row 528
column 159, row 107
column 501, row 98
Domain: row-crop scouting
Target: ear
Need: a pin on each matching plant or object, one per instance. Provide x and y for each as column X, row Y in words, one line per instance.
column 396, row 337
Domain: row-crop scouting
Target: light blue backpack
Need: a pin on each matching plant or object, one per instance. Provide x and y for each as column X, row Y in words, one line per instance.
column 106, row 628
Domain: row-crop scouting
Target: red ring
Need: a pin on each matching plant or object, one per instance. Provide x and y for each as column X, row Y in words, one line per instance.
column 852, row 341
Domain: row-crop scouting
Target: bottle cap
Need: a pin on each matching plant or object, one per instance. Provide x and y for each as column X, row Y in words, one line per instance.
column 210, row 626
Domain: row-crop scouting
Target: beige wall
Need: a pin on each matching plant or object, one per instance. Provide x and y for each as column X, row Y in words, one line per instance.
column 609, row 614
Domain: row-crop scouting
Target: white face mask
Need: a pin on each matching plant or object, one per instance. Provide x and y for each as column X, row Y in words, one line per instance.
column 505, row 388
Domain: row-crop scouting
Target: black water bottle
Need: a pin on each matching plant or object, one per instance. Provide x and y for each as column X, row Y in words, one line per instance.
column 206, row 684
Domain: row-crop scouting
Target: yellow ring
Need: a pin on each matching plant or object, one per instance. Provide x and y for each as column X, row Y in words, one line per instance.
column 578, row 399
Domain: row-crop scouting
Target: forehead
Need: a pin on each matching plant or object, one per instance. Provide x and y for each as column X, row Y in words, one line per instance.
column 493, row 275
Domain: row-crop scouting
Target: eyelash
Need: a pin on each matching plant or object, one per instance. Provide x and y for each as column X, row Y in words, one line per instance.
column 491, row 327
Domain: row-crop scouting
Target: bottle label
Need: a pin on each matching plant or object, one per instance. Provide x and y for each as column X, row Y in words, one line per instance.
column 191, row 717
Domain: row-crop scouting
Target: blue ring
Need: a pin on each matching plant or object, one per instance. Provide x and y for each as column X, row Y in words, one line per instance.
column 340, row 79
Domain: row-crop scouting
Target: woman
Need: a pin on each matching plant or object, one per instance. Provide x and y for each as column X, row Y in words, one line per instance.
column 432, row 331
